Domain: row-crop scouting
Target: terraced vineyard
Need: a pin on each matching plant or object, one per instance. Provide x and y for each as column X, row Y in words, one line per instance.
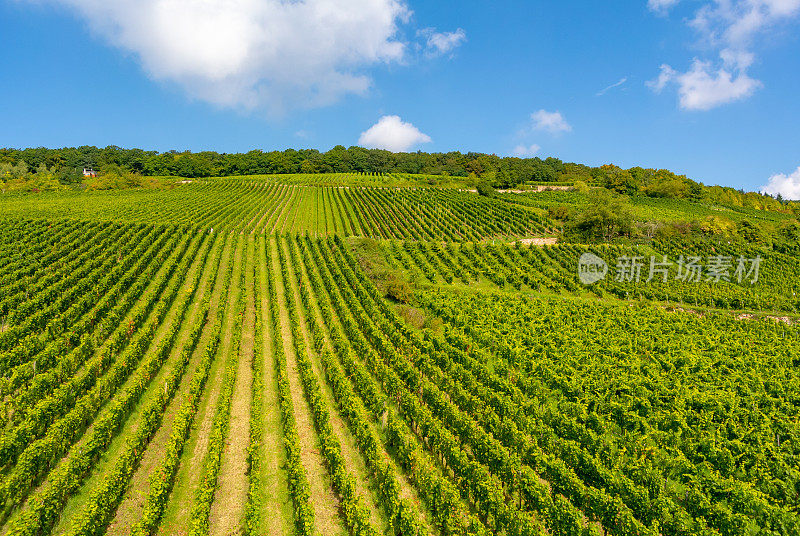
column 231, row 357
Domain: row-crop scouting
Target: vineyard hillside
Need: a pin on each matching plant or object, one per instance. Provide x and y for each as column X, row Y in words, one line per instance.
column 388, row 354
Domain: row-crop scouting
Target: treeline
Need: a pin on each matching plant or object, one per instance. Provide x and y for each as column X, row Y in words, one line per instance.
column 65, row 166
column 510, row 171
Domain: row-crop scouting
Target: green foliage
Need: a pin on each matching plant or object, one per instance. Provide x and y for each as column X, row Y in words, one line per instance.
column 788, row 236
column 262, row 204
column 559, row 213
column 627, row 377
column 485, row 189
column 509, row 399
column 399, row 290
column 79, row 400
column 606, row 217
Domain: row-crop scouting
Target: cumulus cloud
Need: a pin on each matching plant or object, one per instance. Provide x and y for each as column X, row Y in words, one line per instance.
column 441, row 43
column 703, row 87
column 392, row 134
column 526, row 151
column 552, row 122
column 247, row 54
column 732, row 28
column 788, row 186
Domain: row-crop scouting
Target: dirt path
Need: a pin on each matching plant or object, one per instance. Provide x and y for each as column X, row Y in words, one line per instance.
column 130, row 509
column 227, row 510
column 176, row 516
column 355, row 461
column 538, row 241
column 277, row 516
column 323, row 499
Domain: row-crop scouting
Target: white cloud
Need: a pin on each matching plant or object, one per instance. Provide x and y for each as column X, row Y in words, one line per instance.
column 731, row 28
column 736, row 24
column 552, row 122
column 526, row 151
column 248, row 54
column 661, row 6
column 787, row 186
column 621, row 82
column 441, row 43
column 667, row 75
column 703, row 87
column 392, row 134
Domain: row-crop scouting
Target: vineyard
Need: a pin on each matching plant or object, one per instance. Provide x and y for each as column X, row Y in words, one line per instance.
column 553, row 269
column 255, row 356
column 265, row 206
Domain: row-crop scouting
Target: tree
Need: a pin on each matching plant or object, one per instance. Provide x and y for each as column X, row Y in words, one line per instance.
column 606, row 217
column 20, row 170
column 558, row 213
column 502, row 179
column 750, row 232
column 621, row 181
column 787, row 238
column 581, row 187
column 673, row 188
column 485, row 189
column 6, row 171
column 717, row 225
column 307, row 167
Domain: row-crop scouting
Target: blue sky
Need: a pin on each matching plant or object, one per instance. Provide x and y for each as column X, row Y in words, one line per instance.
column 702, row 87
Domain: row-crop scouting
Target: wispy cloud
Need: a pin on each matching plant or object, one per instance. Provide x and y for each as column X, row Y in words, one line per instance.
column 661, row 6
column 621, row 82
column 551, row 122
column 526, row 151
column 441, row 43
